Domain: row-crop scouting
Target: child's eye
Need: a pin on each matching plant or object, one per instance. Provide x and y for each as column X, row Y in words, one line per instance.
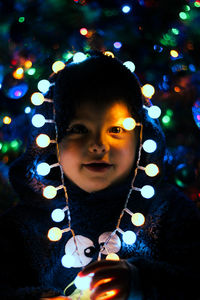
column 116, row 129
column 77, row 129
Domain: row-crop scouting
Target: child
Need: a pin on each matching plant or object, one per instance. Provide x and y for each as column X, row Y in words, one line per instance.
column 105, row 210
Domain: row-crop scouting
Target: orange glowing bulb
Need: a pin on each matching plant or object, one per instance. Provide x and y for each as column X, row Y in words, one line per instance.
column 7, row 120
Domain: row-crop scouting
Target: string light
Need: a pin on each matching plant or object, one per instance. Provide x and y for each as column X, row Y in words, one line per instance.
column 174, row 53
column 129, row 237
column 43, row 85
column 54, row 234
column 83, row 31
column 27, row 110
column 129, row 123
column 138, row 219
column 149, row 146
column 83, row 283
column 151, row 170
column 147, row 191
column 117, row 45
column 58, row 215
column 7, row 120
column 79, row 57
column 130, row 65
column 43, row 140
column 49, row 192
column 109, row 53
column 28, row 64
column 154, row 112
column 39, row 120
column 37, row 98
column 126, row 9
column 112, row 256
column 67, row 261
column 58, row 66
column 148, row 90
column 19, row 73
column 31, row 71
column 43, row 169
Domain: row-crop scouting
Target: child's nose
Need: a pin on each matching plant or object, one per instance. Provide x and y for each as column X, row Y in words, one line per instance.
column 99, row 146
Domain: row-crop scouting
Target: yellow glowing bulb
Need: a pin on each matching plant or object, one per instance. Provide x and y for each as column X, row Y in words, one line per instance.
column 151, row 170
column 43, row 140
column 57, row 66
column 129, row 123
column 174, row 53
column 83, row 31
column 19, row 73
column 54, row 234
column 107, row 295
column 148, row 90
column 138, row 219
column 28, row 64
column 109, row 53
column 49, row 192
column 112, row 256
column 7, row 120
column 37, row 98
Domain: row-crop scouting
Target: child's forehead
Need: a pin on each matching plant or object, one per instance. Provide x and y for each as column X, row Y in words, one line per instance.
column 110, row 111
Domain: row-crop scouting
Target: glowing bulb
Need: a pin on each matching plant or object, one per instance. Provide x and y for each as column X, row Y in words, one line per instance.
column 117, row 45
column 31, row 71
column 27, row 110
column 112, row 256
column 83, row 283
column 151, row 170
column 19, row 73
column 43, row 169
column 148, row 90
column 67, row 261
column 154, row 112
column 79, row 57
column 126, row 9
column 28, row 64
column 43, row 85
column 83, row 31
column 49, row 192
column 57, row 215
column 43, row 140
column 54, row 234
column 129, row 123
column 129, row 237
column 37, row 98
column 130, row 65
column 7, row 120
column 174, row 53
column 138, row 219
column 147, row 191
column 57, row 66
column 38, row 120
column 149, row 146
column 109, row 53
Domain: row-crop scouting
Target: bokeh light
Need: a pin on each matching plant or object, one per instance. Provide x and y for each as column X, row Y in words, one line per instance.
column 148, row 90
column 57, row 66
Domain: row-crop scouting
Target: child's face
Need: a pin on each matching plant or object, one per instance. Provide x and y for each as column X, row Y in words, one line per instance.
column 97, row 151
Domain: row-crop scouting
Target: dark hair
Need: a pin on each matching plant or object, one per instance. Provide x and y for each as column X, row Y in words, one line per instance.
column 99, row 79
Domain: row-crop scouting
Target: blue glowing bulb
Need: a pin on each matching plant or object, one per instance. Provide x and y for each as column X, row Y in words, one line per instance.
column 149, row 146
column 43, row 85
column 154, row 112
column 43, row 169
column 67, row 261
column 79, row 57
column 129, row 237
column 27, row 110
column 117, row 45
column 57, row 215
column 38, row 120
column 126, row 9
column 147, row 191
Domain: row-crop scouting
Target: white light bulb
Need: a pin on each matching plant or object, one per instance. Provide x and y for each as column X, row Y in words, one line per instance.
column 38, row 120
column 154, row 112
column 67, row 261
column 149, row 146
column 129, row 237
column 126, row 9
column 130, row 65
column 57, row 215
column 43, row 169
column 83, row 283
column 43, row 140
column 37, row 98
column 43, row 85
column 147, row 191
column 49, row 192
column 79, row 57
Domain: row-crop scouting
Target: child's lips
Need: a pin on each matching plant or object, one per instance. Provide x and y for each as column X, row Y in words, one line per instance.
column 97, row 166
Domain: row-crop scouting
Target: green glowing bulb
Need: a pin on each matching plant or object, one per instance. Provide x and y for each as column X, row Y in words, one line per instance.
column 4, row 148
column 197, row 4
column 21, row 19
column 14, row 145
column 169, row 112
column 31, row 71
column 187, row 8
column 175, row 31
column 183, row 15
column 166, row 120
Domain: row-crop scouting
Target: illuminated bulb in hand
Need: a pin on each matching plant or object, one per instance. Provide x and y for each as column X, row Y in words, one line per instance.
column 83, row 283
column 49, row 192
column 57, row 215
column 112, row 256
column 54, row 234
column 129, row 123
column 151, row 170
column 138, row 219
column 129, row 237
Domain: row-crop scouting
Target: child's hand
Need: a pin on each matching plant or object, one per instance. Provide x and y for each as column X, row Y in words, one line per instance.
column 111, row 279
column 56, row 298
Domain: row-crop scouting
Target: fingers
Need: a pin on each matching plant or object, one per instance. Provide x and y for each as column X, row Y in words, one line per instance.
column 108, row 290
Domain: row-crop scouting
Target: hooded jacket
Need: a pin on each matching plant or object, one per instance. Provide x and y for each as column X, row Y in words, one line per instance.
column 163, row 260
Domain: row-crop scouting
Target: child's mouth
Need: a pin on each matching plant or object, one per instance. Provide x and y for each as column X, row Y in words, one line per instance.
column 98, row 167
